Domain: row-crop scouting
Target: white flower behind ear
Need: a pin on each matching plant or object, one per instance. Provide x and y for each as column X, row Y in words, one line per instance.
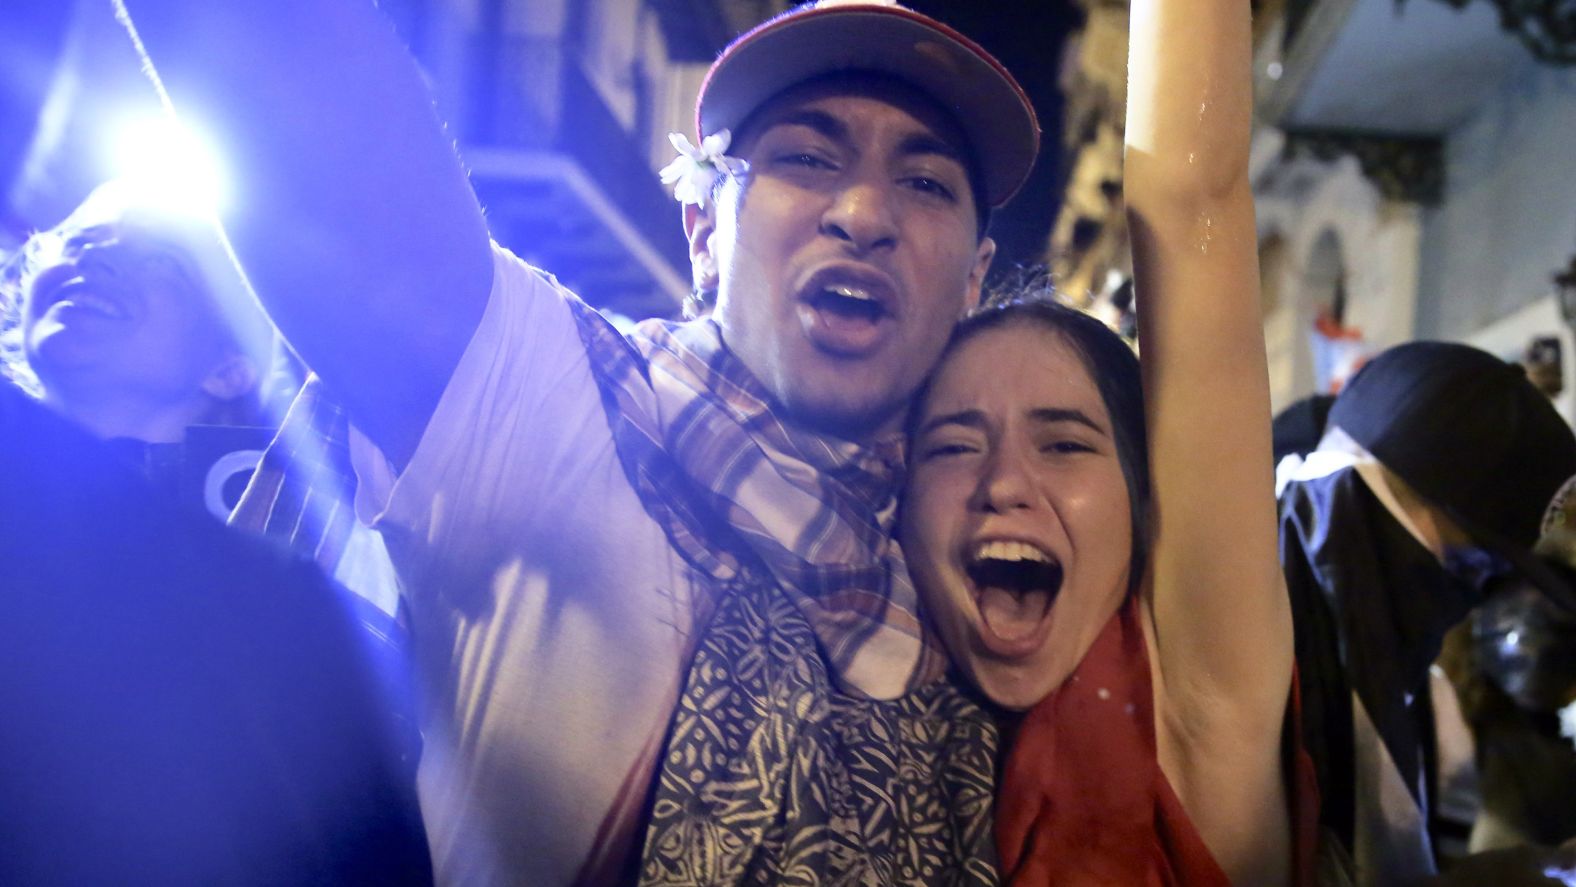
column 1568, row 721
column 694, row 174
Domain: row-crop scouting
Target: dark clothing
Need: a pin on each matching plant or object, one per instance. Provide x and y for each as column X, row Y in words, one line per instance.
column 1371, row 607
column 1526, row 769
column 178, row 704
column 1514, row 667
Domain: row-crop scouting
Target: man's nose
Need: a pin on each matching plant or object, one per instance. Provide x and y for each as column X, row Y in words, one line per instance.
column 862, row 215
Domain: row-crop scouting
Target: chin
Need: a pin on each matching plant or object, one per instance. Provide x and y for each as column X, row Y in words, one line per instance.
column 1013, row 687
column 849, row 416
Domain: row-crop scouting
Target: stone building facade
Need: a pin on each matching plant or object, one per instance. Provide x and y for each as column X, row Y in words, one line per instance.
column 1411, row 168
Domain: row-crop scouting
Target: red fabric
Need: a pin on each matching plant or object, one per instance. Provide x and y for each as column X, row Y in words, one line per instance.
column 1083, row 799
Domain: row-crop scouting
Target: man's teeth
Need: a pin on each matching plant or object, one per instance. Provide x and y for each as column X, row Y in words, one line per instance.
column 849, row 301
column 849, row 292
column 1010, row 551
column 94, row 302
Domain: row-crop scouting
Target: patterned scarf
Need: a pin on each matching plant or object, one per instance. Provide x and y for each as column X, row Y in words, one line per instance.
column 304, row 487
column 701, row 441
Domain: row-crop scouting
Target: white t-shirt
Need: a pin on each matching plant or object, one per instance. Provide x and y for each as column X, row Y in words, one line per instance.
column 552, row 622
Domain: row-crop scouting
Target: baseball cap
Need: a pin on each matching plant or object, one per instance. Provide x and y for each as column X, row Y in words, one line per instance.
column 832, row 36
column 1472, row 435
column 1299, row 428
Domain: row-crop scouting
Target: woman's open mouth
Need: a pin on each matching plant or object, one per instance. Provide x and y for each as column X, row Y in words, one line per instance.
column 1015, row 584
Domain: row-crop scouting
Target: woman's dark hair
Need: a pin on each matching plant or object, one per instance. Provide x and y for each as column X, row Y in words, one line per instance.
column 1112, row 365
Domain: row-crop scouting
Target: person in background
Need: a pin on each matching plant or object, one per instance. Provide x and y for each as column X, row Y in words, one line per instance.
column 1296, row 432
column 181, row 704
column 130, row 319
column 1513, row 667
column 1437, row 468
column 1513, row 664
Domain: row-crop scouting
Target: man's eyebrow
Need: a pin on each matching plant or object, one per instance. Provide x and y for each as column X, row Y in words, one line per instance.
column 929, row 143
column 820, row 121
column 90, row 232
column 1052, row 415
column 965, row 418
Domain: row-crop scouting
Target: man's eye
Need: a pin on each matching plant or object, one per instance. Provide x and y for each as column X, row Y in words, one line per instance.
column 928, row 185
column 804, row 159
column 76, row 244
column 162, row 261
column 165, row 263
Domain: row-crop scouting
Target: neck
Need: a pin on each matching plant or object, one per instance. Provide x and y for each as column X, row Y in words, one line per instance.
column 121, row 415
column 862, row 434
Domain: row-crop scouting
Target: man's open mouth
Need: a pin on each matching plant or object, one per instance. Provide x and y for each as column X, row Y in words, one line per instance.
column 81, row 295
column 1015, row 584
column 851, row 303
column 847, row 314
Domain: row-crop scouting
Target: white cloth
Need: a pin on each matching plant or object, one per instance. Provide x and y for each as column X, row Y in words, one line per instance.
column 552, row 621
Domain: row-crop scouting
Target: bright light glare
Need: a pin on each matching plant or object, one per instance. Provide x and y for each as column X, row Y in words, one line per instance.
column 171, row 163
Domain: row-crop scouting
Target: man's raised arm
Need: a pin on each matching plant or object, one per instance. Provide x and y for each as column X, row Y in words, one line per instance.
column 351, row 213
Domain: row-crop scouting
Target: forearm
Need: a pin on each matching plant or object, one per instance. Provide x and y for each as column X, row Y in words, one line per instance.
column 349, row 211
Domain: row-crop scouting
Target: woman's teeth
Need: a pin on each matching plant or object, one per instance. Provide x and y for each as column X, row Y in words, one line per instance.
column 1018, row 568
column 1015, row 584
column 1010, row 551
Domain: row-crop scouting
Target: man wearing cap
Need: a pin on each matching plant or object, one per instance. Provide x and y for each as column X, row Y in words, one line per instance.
column 1438, row 466
column 654, row 591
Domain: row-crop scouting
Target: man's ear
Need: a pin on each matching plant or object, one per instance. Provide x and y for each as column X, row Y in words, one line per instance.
column 233, row 377
column 982, row 260
column 699, row 226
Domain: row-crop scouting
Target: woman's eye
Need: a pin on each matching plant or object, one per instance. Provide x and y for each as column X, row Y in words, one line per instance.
column 942, row 450
column 1065, row 447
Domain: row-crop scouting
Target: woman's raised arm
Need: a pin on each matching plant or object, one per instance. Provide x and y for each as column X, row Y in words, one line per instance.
column 1222, row 624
